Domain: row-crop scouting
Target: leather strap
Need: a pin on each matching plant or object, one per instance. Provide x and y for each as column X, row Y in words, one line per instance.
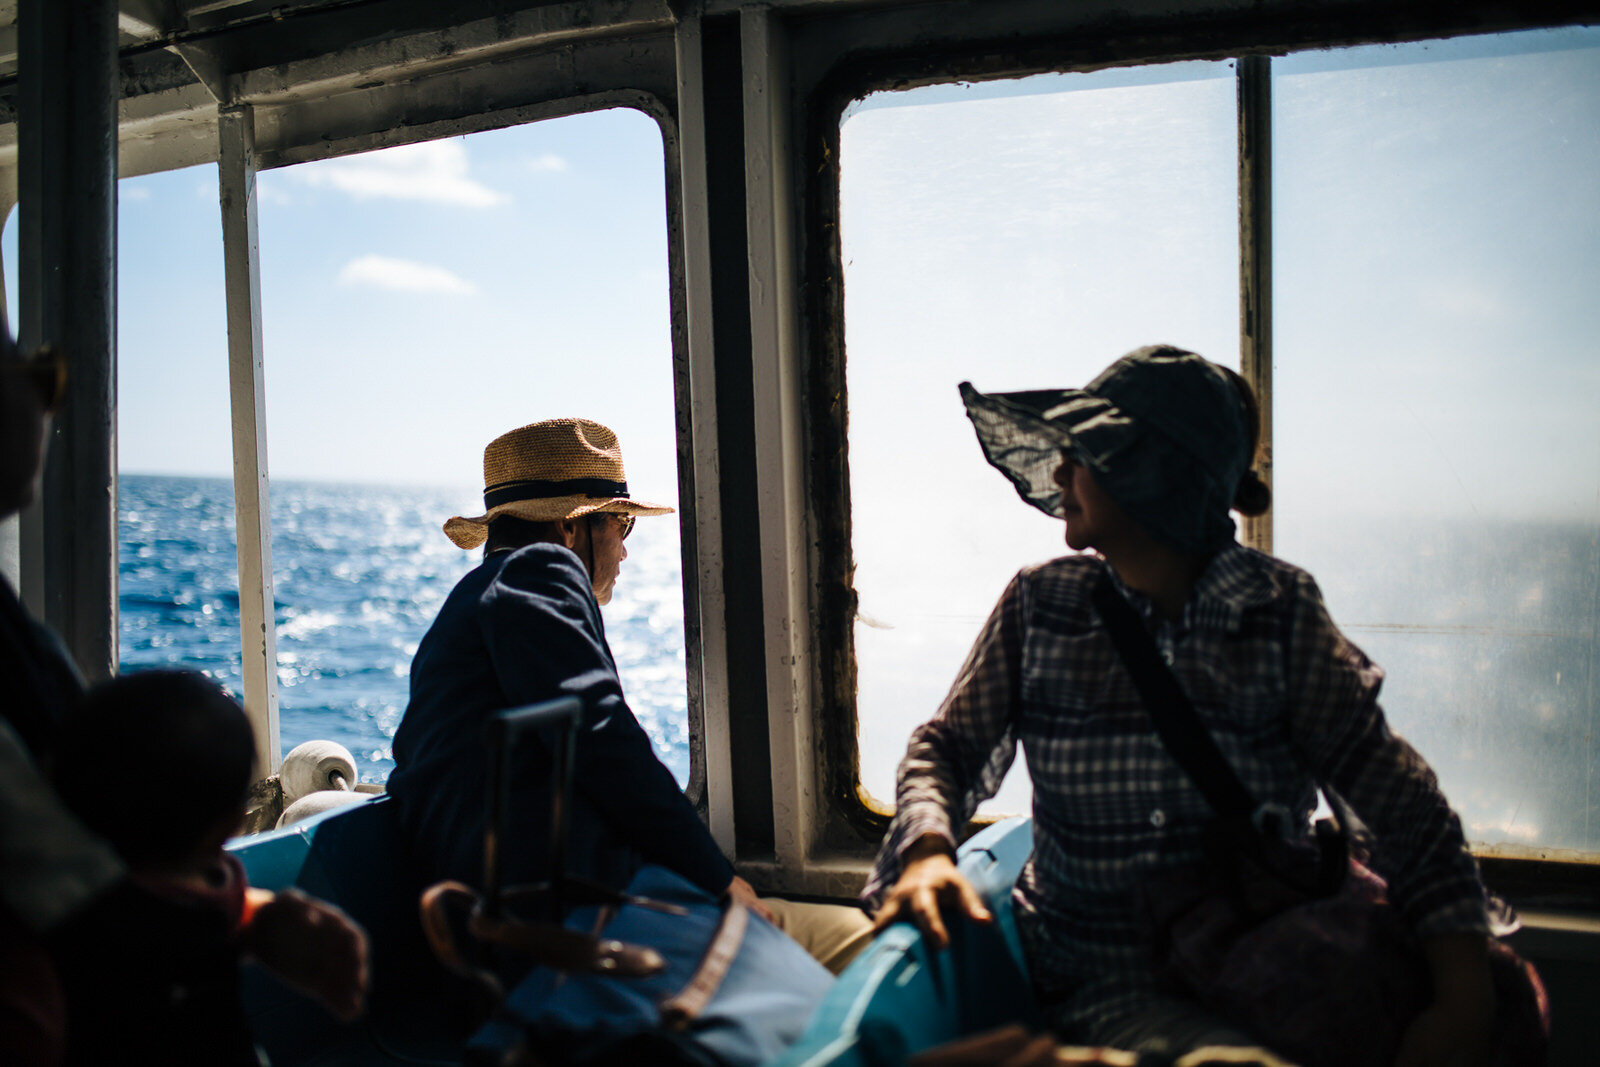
column 679, row 1011
column 566, row 950
column 547, row 943
column 1189, row 743
column 434, row 908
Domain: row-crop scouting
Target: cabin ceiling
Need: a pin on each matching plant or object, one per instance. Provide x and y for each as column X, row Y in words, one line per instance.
column 327, row 77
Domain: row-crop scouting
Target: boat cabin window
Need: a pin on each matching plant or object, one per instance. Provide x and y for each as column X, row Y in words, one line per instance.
column 1435, row 239
column 416, row 302
column 1018, row 234
column 1437, row 236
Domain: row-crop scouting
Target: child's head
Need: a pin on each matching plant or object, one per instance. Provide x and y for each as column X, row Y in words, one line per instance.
column 158, row 763
column 1169, row 436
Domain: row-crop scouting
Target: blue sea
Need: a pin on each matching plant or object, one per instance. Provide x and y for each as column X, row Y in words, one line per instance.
column 359, row 571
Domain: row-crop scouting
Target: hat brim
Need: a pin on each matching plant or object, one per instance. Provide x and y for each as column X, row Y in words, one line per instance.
column 1023, row 435
column 471, row 532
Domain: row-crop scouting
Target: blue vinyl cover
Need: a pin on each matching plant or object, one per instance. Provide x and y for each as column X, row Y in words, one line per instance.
column 899, row 997
column 355, row 857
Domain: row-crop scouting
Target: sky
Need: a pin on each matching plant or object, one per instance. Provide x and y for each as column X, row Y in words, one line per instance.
column 416, row 302
column 1436, row 253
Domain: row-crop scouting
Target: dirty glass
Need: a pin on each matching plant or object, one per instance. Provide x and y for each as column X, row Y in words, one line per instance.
column 1020, row 234
column 1437, row 224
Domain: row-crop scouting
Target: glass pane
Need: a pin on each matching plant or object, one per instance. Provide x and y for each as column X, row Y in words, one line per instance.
column 177, row 565
column 1438, row 465
column 420, row 301
column 417, row 302
column 1020, row 234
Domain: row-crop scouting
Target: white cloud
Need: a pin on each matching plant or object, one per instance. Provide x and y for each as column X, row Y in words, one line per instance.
column 547, row 164
column 270, row 189
column 434, row 171
column 384, row 272
column 132, row 192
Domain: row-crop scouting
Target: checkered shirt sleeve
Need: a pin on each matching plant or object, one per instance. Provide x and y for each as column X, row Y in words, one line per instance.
column 1339, row 732
column 957, row 760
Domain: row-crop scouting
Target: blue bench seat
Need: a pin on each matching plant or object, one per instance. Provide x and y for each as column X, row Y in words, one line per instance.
column 355, row 857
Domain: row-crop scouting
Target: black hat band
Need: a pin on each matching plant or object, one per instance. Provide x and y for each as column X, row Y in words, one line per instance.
column 597, row 488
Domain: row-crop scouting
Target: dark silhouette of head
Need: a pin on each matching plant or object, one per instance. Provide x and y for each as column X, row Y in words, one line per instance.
column 158, row 763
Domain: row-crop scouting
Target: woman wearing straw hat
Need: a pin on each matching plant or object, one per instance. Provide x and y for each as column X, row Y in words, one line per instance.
column 1144, row 465
column 525, row 626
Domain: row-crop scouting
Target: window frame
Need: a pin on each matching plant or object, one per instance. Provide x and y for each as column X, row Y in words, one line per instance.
column 1531, row 878
column 642, row 76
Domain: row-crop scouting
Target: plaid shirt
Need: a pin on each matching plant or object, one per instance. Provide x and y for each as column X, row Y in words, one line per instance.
column 1288, row 699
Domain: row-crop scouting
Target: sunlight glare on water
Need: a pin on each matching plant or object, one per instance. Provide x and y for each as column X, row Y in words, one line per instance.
column 359, row 573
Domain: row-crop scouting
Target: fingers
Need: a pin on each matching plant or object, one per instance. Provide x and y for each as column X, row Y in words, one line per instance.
column 745, row 894
column 315, row 947
column 918, row 897
column 925, row 913
column 971, row 902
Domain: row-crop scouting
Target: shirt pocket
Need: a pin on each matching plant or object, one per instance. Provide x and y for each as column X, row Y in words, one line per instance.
column 1065, row 680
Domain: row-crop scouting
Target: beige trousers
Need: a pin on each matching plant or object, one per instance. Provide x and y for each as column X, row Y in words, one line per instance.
column 832, row 933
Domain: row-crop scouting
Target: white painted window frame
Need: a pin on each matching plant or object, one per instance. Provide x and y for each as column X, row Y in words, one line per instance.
column 236, row 174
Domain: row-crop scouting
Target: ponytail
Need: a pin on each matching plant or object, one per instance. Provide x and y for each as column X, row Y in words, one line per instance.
column 1252, row 496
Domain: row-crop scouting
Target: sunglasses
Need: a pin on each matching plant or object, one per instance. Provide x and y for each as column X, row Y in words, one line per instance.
column 624, row 522
column 46, row 373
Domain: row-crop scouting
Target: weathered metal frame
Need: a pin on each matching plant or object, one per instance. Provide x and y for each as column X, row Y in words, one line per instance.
column 236, row 185
column 780, row 440
column 1254, row 109
column 67, row 242
column 830, row 77
column 698, row 422
column 297, row 113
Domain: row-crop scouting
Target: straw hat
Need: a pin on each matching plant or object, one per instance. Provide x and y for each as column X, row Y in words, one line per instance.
column 549, row 471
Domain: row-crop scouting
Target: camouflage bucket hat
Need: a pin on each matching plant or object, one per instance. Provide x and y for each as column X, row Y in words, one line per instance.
column 1162, row 429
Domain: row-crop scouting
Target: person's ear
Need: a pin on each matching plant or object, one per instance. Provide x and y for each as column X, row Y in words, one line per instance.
column 569, row 533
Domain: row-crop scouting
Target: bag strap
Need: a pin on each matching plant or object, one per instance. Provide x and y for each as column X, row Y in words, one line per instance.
column 1190, row 744
column 1177, row 723
column 679, row 1011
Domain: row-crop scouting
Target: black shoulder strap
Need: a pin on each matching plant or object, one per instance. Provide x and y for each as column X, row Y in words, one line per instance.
column 1176, row 722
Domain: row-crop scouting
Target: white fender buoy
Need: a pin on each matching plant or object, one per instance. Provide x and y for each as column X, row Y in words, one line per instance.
column 317, row 803
column 315, row 766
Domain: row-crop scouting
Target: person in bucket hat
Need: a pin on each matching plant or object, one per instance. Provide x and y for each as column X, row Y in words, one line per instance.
column 525, row 626
column 1143, row 466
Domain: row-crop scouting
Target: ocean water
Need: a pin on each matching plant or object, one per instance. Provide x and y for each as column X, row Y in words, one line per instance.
column 359, row 572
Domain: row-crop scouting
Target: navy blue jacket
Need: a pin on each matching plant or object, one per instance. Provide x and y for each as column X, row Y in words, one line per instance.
column 524, row 627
